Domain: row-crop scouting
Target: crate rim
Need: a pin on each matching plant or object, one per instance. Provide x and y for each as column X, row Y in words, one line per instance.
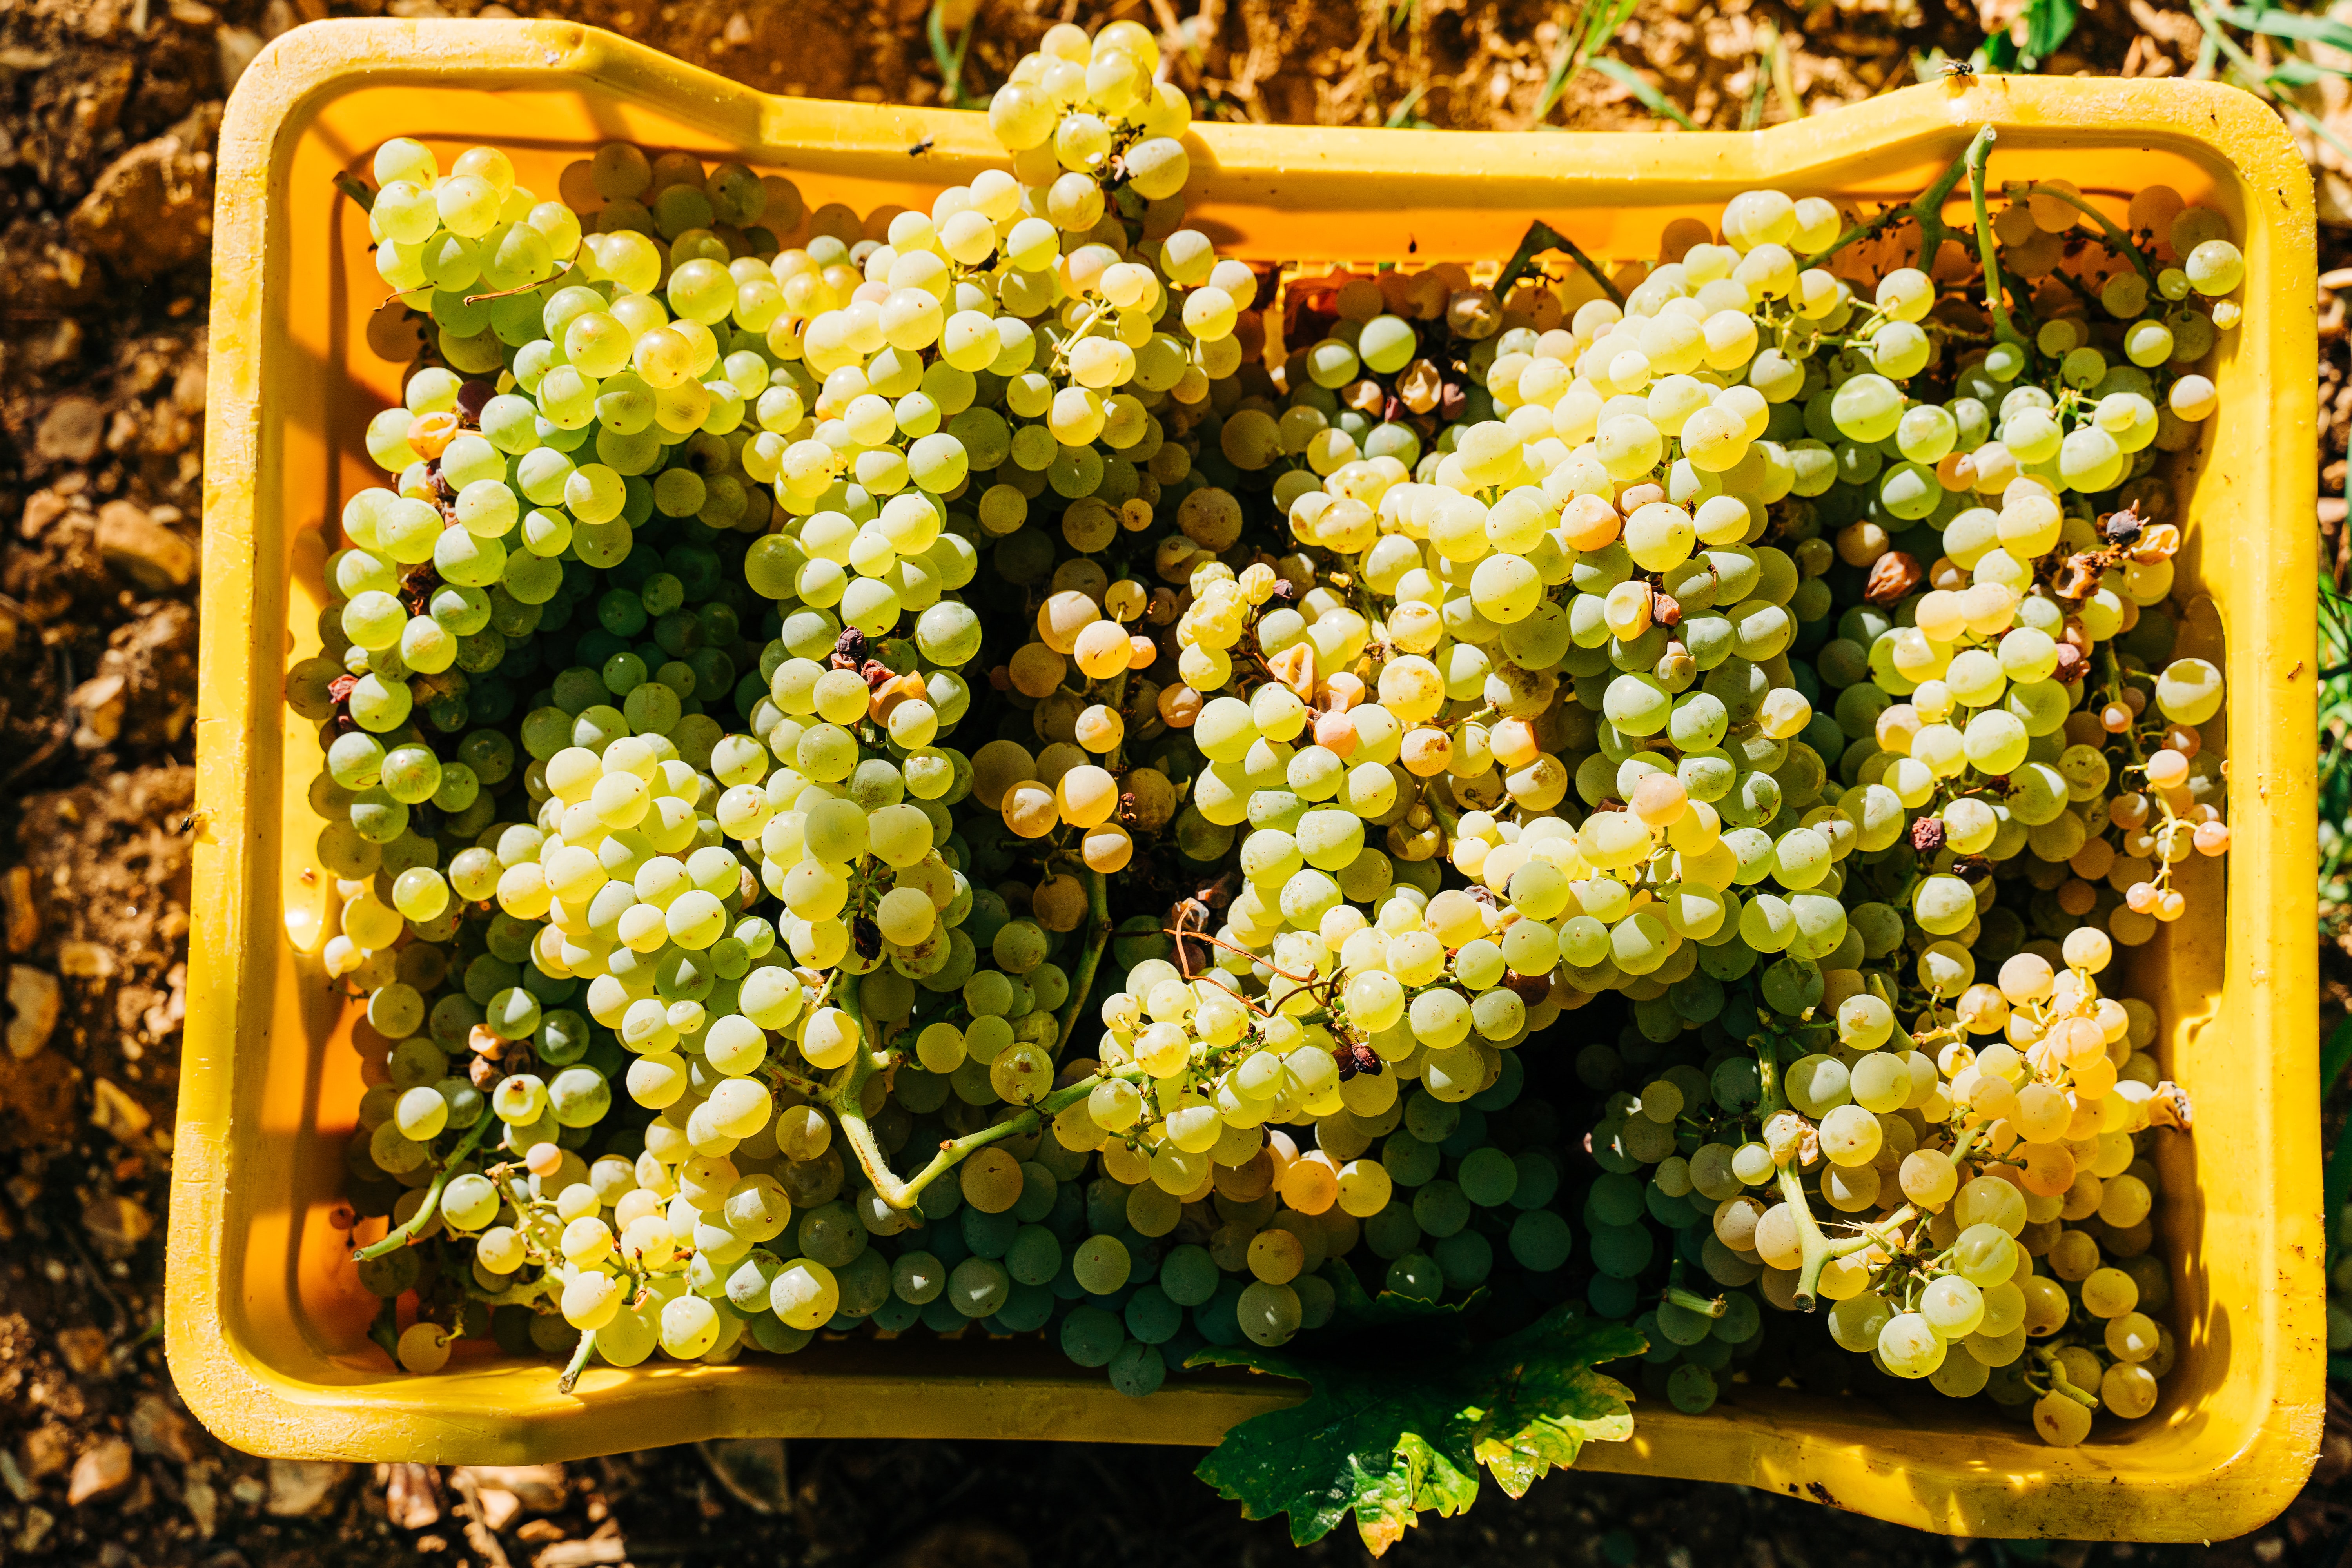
column 257, row 1406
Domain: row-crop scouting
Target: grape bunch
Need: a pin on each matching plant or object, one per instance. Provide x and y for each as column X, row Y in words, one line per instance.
column 2001, row 1199
column 990, row 771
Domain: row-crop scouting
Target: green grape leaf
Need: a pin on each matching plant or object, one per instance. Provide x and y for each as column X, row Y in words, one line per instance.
column 2048, row 25
column 1406, row 1406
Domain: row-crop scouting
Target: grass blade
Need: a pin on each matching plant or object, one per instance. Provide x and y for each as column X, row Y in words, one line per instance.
column 2339, row 1184
column 1651, row 99
column 2294, row 71
column 2317, row 126
column 2334, row 1054
column 950, row 62
column 1401, row 115
column 2294, row 25
column 1601, row 25
column 1767, row 70
column 1563, row 72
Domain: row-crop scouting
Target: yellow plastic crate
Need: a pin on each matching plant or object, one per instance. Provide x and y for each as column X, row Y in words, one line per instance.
column 266, row 1321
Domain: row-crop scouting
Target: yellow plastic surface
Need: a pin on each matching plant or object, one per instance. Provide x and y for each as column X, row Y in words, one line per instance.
column 265, row 1320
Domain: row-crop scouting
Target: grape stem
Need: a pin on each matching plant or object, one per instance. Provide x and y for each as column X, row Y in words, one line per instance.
column 578, row 1363
column 1927, row 209
column 2159, row 800
column 806, row 1087
column 1542, row 237
column 402, row 1235
column 2113, row 670
column 1876, row 1235
column 907, row 1194
column 1062, row 355
column 359, row 190
column 507, row 293
column 1996, row 291
column 1321, row 988
column 1185, row 933
column 521, row 1295
column 1815, row 1246
column 1818, row 1250
column 1098, row 929
column 2016, row 189
column 846, row 1100
column 2060, row 1384
column 1692, row 1301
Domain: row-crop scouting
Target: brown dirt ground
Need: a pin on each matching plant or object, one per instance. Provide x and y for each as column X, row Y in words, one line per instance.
column 108, row 110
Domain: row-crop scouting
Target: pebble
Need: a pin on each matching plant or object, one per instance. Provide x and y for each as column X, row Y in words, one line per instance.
column 24, row 916
column 238, row 46
column 300, row 1488
column 412, row 1495
column 603, row 1547
column 157, row 1429
column 539, row 1489
column 142, row 548
column 968, row 1544
column 103, row 1468
column 497, row 1508
column 33, row 998
column 44, row 508
column 99, row 702
column 84, row 1350
column 113, row 1110
column 48, row 1448
column 38, row 1521
column 752, row 1470
column 118, row 1223
column 203, row 1503
column 70, row 431
column 86, row 960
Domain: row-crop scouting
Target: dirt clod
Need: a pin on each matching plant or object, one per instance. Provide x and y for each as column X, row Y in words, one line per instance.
column 150, row 210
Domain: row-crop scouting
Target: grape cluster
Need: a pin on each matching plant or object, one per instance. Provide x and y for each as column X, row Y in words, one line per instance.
column 1983, row 732
column 990, row 769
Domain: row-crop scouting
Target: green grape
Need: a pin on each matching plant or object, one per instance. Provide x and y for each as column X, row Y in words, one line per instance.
column 1868, row 407
column 420, row 893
